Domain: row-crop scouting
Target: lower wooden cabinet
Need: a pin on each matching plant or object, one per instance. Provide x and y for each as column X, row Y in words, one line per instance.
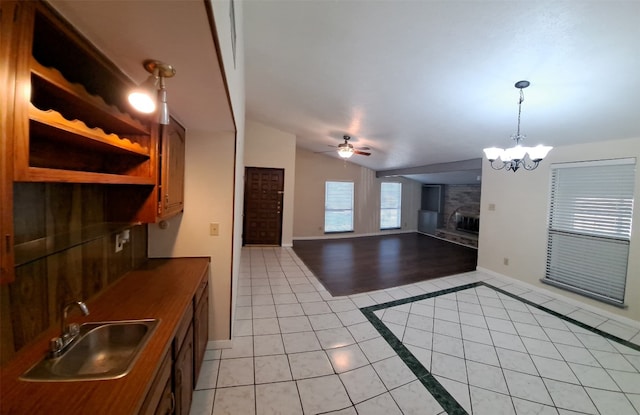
column 160, row 399
column 183, row 375
column 172, row 389
column 167, row 403
column 200, row 330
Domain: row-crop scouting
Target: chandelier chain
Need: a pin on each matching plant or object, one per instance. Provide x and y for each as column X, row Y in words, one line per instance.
column 518, row 137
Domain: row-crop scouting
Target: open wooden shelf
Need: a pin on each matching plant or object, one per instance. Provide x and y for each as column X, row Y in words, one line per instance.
column 52, row 91
column 61, row 129
column 44, row 175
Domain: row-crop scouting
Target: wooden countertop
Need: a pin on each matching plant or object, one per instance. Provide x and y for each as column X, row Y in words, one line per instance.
column 162, row 289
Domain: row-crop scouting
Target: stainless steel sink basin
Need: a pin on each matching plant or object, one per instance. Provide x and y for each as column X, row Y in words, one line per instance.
column 105, row 350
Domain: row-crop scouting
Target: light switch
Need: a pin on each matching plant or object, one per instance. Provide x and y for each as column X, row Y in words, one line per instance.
column 492, row 206
column 214, row 229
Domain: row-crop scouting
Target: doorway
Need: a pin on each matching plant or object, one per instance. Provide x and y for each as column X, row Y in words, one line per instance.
column 263, row 196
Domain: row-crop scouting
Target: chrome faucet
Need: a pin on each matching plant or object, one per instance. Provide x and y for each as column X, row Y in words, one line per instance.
column 69, row 332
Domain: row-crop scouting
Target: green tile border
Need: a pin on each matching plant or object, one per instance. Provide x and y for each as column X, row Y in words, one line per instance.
column 444, row 398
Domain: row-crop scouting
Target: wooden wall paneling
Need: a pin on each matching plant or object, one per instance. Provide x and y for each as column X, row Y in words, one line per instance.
column 118, row 263
column 129, row 203
column 7, row 349
column 93, row 204
column 139, row 245
column 94, row 267
column 29, row 302
column 64, row 275
column 29, row 217
column 63, row 209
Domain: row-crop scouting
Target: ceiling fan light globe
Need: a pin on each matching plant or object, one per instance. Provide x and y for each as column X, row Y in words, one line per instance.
column 345, row 152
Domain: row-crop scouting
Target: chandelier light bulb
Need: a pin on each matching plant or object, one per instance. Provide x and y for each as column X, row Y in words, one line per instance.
column 512, row 159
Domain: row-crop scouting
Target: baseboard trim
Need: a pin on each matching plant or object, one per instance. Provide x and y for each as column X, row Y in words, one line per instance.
column 548, row 293
column 349, row 235
column 448, row 240
column 220, row 344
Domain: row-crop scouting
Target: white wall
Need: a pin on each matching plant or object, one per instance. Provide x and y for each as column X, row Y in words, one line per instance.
column 271, row 148
column 208, row 198
column 234, row 70
column 213, row 189
column 313, row 170
column 517, row 229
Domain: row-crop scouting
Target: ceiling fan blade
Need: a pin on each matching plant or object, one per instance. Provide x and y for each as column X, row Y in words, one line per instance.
column 362, row 153
column 363, row 148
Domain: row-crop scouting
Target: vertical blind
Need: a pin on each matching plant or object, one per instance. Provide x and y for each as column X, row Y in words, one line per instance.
column 338, row 207
column 390, row 205
column 590, row 227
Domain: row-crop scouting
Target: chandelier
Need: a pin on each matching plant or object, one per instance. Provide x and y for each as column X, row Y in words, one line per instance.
column 511, row 159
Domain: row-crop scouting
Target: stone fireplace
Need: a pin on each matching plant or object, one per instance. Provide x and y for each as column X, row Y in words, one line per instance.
column 461, row 222
column 465, row 222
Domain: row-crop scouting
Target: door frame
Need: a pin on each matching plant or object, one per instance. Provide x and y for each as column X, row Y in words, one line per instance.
column 281, row 203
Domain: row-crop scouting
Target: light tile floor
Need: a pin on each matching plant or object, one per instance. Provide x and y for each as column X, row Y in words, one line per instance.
column 468, row 343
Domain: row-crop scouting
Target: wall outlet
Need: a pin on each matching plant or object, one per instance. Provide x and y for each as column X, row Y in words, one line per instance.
column 505, row 261
column 492, row 206
column 119, row 243
column 121, row 239
column 214, row 229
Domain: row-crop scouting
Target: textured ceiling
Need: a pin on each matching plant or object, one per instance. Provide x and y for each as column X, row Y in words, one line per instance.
column 420, row 82
column 423, row 82
column 175, row 32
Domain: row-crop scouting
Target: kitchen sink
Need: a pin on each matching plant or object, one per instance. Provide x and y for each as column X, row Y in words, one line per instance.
column 105, row 350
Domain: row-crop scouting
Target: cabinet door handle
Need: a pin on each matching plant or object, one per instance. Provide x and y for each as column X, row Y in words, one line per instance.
column 173, row 404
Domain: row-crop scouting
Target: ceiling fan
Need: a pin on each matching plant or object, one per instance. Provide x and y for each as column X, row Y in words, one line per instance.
column 346, row 149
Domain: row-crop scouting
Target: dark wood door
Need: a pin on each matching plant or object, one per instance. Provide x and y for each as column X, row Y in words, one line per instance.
column 263, row 194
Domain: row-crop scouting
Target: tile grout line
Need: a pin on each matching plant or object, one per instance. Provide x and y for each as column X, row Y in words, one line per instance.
column 442, row 396
column 580, row 324
column 428, row 380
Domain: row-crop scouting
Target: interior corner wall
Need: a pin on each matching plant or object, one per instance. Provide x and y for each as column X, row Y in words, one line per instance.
column 313, row 170
column 209, row 196
column 517, row 228
column 213, row 187
column 271, row 148
column 231, row 44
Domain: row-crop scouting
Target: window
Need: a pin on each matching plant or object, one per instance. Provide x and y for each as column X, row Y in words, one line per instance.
column 590, row 227
column 390, row 205
column 338, row 207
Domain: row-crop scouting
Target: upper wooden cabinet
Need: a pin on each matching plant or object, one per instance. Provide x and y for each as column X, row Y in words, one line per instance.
column 73, row 123
column 65, row 118
column 171, row 185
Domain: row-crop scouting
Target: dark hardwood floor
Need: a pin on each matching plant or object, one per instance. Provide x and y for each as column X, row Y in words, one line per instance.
column 355, row 265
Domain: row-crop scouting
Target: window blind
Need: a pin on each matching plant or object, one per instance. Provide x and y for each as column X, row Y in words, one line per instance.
column 338, row 207
column 590, row 227
column 390, row 205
